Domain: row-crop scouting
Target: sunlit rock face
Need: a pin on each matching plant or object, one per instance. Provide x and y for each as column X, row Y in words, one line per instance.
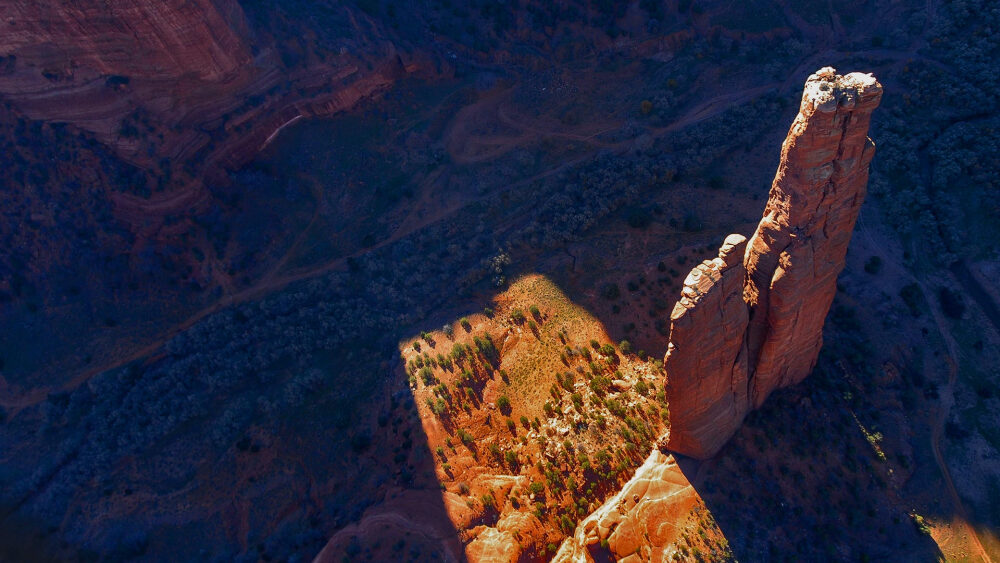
column 640, row 523
column 730, row 348
column 708, row 331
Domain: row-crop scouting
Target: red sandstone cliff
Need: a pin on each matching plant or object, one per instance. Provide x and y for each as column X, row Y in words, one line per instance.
column 184, row 85
column 798, row 250
column 729, row 347
column 700, row 344
column 164, row 39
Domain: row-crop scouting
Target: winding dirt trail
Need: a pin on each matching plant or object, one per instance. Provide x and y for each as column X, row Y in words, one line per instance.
column 939, row 423
column 272, row 281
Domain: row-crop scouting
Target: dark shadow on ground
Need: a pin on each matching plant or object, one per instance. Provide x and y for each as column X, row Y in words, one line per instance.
column 794, row 484
column 267, row 468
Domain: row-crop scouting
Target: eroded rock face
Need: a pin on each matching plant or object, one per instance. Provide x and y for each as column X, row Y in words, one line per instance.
column 185, row 88
column 640, row 522
column 798, row 250
column 708, row 329
column 160, row 39
column 730, row 348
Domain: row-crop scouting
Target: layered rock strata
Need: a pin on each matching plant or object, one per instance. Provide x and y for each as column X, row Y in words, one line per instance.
column 740, row 331
column 185, row 89
column 164, row 39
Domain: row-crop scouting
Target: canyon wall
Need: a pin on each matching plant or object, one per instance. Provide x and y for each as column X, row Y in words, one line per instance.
column 165, row 39
column 740, row 331
column 183, row 89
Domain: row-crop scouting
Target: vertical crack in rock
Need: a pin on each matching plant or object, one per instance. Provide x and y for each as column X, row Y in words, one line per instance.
column 707, row 336
column 743, row 329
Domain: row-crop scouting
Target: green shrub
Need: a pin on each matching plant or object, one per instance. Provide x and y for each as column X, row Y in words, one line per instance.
column 489, row 501
column 641, row 388
column 427, row 375
column 465, row 437
column 913, row 298
column 503, row 403
column 951, row 303
column 616, row 407
column 922, row 526
column 610, row 291
column 510, row 458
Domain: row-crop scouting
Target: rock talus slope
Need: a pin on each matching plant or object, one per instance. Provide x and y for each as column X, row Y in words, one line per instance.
column 730, row 348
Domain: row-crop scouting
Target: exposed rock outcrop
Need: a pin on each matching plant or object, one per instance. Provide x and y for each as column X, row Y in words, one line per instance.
column 640, row 522
column 798, row 250
column 184, row 89
column 165, row 39
column 708, row 329
column 730, row 348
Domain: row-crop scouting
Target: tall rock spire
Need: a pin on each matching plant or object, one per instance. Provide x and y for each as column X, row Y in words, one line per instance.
column 727, row 355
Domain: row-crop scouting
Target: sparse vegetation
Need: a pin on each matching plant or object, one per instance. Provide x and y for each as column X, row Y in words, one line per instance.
column 503, row 403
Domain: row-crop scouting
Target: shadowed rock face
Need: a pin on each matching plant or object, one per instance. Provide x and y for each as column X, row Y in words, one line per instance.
column 191, row 82
column 164, row 39
column 741, row 331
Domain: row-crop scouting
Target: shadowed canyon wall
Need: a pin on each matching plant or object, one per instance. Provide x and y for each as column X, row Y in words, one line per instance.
column 184, row 90
column 157, row 39
column 742, row 330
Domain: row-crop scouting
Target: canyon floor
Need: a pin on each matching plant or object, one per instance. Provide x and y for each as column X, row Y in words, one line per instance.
column 368, row 290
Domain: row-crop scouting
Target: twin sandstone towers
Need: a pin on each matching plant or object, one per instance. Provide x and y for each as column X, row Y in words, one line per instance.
column 751, row 320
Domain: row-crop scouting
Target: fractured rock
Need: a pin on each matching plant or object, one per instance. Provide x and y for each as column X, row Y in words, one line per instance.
column 708, row 326
column 751, row 321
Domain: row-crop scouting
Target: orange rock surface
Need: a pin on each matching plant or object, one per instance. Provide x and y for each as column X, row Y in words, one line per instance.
column 798, row 250
column 708, row 329
column 727, row 354
column 640, row 523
